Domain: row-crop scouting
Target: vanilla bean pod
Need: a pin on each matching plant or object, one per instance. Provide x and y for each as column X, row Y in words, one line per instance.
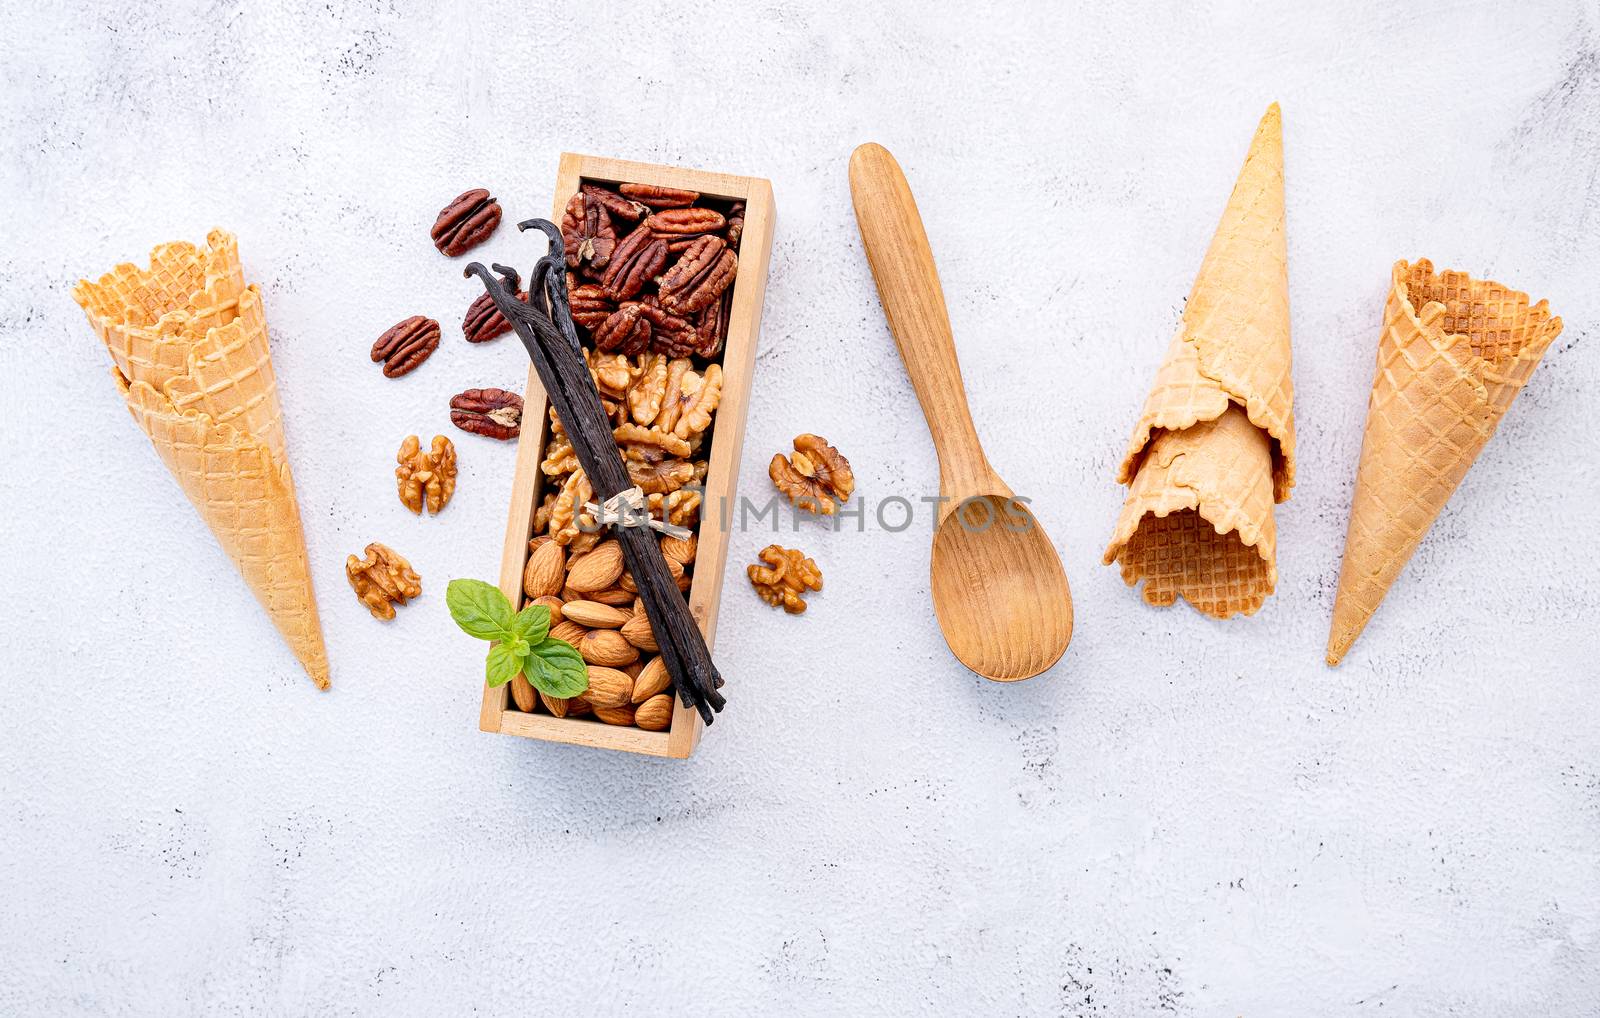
column 544, row 324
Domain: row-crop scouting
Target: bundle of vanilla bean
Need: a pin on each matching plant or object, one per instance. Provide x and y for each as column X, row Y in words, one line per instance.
column 544, row 322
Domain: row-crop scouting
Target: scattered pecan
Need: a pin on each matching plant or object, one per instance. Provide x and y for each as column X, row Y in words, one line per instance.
column 484, row 320
column 785, row 578
column 635, row 262
column 587, row 234
column 382, row 580
column 426, row 478
column 712, row 327
column 700, row 275
column 686, row 221
column 669, row 334
column 590, row 305
column 626, row 330
column 493, row 413
column 735, row 225
column 816, row 478
column 406, row 345
column 466, row 222
column 658, row 197
column 619, row 207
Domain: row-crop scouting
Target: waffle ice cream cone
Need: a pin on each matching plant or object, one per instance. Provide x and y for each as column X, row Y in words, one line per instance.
column 188, row 342
column 1454, row 353
column 1213, row 450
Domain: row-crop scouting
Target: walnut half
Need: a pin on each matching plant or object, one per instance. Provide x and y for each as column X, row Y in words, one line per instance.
column 816, row 477
column 382, row 580
column 785, row 578
column 426, row 477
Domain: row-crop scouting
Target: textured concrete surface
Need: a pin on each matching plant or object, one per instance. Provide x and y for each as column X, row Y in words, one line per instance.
column 1184, row 817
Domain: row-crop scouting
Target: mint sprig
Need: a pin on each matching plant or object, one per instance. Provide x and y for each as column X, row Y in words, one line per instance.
column 523, row 644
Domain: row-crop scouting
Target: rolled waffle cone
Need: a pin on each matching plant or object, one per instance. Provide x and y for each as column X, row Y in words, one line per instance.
column 1454, row 353
column 1213, row 449
column 189, row 345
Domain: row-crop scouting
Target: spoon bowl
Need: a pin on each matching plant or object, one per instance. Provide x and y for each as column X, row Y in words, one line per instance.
column 999, row 591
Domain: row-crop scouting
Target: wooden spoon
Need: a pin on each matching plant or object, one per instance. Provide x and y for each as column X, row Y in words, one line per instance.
column 998, row 587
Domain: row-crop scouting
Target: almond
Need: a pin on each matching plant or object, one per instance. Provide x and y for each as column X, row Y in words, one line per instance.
column 546, row 569
column 608, row 689
column 555, row 704
column 554, row 604
column 594, row 614
column 615, row 715
column 607, row 648
column 568, row 632
column 597, row 570
column 523, row 694
column 655, row 714
column 615, row 596
column 633, row 670
column 654, row 679
column 637, row 631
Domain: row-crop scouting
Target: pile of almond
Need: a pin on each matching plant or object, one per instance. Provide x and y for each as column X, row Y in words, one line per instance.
column 595, row 606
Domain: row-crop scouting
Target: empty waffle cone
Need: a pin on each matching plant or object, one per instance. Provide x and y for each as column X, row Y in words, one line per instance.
column 1213, row 449
column 1454, row 353
column 189, row 345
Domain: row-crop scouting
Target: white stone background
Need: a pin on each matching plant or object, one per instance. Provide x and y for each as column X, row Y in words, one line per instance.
column 1184, row 816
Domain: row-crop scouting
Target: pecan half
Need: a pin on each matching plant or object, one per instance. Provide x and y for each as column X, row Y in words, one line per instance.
column 626, row 330
column 406, row 345
column 636, row 261
column 620, row 208
column 680, row 221
column 669, row 334
column 493, row 413
column 484, row 320
column 466, row 222
column 700, row 275
column 589, row 304
column 712, row 326
column 658, row 197
column 587, row 234
column 735, row 225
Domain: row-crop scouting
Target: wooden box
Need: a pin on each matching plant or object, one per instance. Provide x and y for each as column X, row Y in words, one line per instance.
column 499, row 712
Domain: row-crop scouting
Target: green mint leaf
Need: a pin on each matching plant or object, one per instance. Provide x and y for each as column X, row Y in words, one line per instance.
column 532, row 623
column 479, row 609
column 502, row 666
column 556, row 669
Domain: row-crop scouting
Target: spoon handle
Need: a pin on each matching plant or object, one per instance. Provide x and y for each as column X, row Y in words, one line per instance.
column 913, row 301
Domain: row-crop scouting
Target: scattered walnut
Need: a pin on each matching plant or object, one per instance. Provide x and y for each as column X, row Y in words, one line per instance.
column 567, row 512
column 559, row 456
column 426, row 477
column 816, row 478
column 783, row 581
column 698, row 397
column 648, row 389
column 382, row 580
column 632, row 434
column 680, row 508
column 613, row 373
